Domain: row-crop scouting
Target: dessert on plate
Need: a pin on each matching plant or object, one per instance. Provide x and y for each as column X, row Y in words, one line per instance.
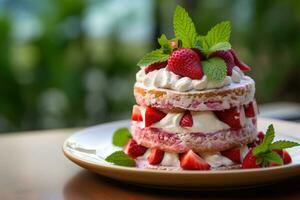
column 195, row 107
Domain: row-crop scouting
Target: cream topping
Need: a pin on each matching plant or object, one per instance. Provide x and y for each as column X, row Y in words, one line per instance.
column 203, row 122
column 216, row 160
column 163, row 78
column 170, row 159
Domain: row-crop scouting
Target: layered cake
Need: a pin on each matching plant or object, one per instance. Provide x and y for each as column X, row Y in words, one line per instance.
column 195, row 108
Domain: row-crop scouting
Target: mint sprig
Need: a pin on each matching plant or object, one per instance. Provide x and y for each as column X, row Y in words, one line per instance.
column 215, row 69
column 263, row 152
column 184, row 28
column 155, row 56
column 121, row 137
column 165, row 44
column 120, row 158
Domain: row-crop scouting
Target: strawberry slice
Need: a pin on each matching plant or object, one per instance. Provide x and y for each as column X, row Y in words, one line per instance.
column 250, row 161
column 234, row 117
column 286, row 157
column 155, row 66
column 239, row 63
column 227, row 57
column 156, row 156
column 233, row 154
column 192, row 161
column 187, row 119
column 251, row 109
column 133, row 149
column 136, row 114
column 185, row 62
column 152, row 116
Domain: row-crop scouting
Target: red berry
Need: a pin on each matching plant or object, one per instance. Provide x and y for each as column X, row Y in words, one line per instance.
column 192, row 161
column 250, row 161
column 156, row 156
column 152, row 116
column 251, row 109
column 286, row 157
column 233, row 154
column 228, row 58
column 185, row 62
column 155, row 66
column 136, row 114
column 259, row 138
column 187, row 119
column 133, row 149
column 234, row 117
column 239, row 63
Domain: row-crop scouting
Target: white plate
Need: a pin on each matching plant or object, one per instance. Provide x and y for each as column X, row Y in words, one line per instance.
column 89, row 147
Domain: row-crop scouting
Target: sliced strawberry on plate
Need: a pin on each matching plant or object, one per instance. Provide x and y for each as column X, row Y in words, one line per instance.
column 185, row 62
column 155, row 66
column 227, row 57
column 234, row 117
column 192, row 161
column 187, row 119
column 156, row 156
column 250, row 161
column 251, row 109
column 286, row 157
column 233, row 154
column 152, row 116
column 239, row 63
column 133, row 149
column 136, row 113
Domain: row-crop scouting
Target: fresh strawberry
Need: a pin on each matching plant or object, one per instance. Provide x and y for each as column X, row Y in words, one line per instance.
column 233, row 154
column 286, row 157
column 250, row 161
column 155, row 66
column 228, row 58
column 259, row 138
column 133, row 149
column 187, row 119
column 152, row 116
column 251, row 109
column 192, row 161
column 136, row 114
column 156, row 156
column 201, row 55
column 239, row 63
column 234, row 117
column 185, row 62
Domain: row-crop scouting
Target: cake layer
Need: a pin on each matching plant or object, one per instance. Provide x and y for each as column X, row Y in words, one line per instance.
column 197, row 141
column 233, row 95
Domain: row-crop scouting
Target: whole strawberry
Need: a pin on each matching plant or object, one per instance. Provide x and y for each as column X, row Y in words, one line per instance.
column 185, row 62
column 228, row 58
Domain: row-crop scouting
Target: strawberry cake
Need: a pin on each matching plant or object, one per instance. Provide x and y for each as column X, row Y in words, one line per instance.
column 195, row 108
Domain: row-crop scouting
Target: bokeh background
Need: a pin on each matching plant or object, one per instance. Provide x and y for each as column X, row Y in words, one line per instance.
column 66, row 63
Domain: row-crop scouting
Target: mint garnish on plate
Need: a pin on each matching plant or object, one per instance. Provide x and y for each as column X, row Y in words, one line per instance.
column 264, row 152
column 120, row 158
column 121, row 137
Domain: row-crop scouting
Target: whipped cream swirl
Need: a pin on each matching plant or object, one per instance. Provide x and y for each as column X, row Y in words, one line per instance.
column 163, row 78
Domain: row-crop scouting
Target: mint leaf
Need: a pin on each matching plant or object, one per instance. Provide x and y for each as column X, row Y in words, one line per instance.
column 155, row 56
column 221, row 46
column 120, row 158
column 273, row 157
column 219, row 33
column 264, row 146
column 165, row 44
column 121, row 137
column 283, row 144
column 215, row 69
column 184, row 28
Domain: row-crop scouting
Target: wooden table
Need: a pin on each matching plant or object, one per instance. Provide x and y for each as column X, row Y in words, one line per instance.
column 32, row 166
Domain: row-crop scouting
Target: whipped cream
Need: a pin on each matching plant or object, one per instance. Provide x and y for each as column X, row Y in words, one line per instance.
column 203, row 122
column 163, row 78
column 216, row 159
column 170, row 159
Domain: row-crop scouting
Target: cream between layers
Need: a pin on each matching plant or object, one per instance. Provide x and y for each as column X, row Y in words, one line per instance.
column 163, row 78
column 204, row 122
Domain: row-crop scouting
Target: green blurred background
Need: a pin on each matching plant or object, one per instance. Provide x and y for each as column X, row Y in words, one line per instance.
column 66, row 63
